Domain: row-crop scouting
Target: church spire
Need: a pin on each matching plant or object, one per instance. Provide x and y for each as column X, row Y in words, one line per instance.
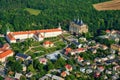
column 8, row 30
column 81, row 22
column 59, row 26
column 78, row 20
column 74, row 20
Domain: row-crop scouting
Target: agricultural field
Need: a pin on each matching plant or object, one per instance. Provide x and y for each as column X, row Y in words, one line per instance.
column 110, row 5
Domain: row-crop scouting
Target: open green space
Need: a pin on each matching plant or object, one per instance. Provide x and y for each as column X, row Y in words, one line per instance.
column 33, row 11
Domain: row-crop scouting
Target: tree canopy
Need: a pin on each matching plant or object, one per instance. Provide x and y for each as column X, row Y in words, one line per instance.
column 14, row 15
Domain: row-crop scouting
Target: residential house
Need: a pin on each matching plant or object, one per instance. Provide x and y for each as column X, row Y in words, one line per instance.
column 83, row 39
column 101, row 68
column 68, row 67
column 115, row 47
column 47, row 44
column 94, row 50
column 63, row 74
column 107, row 31
column 97, row 59
column 5, row 52
column 97, row 74
column 43, row 61
column 116, row 68
column 115, row 77
column 24, row 67
column 68, row 50
column 53, row 56
column 18, row 75
column 104, row 47
column 108, row 71
column 80, row 59
column 51, row 77
column 104, row 59
column 79, row 50
column 112, row 56
column 29, row 74
column 88, row 71
column 86, row 62
column 82, row 69
column 9, row 78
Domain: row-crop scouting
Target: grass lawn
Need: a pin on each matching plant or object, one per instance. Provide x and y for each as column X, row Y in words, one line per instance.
column 33, row 11
column 39, row 51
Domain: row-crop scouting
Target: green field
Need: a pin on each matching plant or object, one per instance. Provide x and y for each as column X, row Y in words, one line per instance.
column 33, row 11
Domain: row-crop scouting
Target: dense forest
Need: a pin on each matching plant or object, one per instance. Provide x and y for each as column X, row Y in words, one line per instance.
column 52, row 12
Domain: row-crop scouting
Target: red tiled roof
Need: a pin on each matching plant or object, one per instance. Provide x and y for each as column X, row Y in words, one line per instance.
column 47, row 42
column 68, row 66
column 107, row 31
column 5, row 47
column 101, row 67
column 34, row 31
column 80, row 58
column 50, row 30
column 68, row 49
column 63, row 74
column 10, row 36
column 80, row 49
column 4, row 54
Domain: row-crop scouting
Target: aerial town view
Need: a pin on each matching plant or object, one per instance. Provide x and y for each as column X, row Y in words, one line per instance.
column 59, row 39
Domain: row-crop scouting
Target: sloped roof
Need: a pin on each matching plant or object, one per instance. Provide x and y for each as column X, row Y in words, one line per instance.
column 5, row 53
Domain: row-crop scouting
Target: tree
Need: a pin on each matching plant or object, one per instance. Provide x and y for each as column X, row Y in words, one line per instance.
column 60, row 62
column 32, row 78
column 73, row 46
column 23, row 78
column 1, row 78
column 14, row 66
column 50, row 66
column 31, row 69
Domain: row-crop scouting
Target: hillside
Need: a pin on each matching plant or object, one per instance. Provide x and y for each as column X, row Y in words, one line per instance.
column 110, row 5
column 13, row 14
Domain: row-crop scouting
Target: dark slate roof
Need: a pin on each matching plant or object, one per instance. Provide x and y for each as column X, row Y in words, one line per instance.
column 21, row 55
column 75, row 42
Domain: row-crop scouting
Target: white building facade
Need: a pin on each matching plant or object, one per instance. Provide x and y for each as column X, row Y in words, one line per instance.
column 39, row 35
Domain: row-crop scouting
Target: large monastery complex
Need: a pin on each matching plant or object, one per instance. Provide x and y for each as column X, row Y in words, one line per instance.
column 39, row 35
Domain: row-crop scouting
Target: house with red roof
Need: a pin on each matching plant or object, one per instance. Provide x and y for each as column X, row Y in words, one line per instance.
column 79, row 50
column 68, row 50
column 43, row 61
column 68, row 67
column 107, row 31
column 101, row 68
column 39, row 35
column 63, row 74
column 5, row 52
column 48, row 44
column 80, row 59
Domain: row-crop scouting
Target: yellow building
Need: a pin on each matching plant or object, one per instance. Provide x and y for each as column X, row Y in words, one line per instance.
column 115, row 47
